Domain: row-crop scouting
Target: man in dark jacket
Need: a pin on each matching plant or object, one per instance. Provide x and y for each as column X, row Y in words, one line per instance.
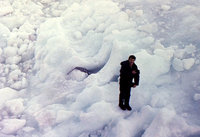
column 128, row 72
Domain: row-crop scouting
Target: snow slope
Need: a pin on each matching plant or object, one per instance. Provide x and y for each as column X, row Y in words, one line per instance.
column 60, row 62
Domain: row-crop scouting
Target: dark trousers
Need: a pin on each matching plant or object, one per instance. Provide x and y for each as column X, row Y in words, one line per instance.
column 124, row 95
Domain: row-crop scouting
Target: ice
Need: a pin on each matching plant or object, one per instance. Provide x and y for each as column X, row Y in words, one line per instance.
column 15, row 106
column 165, row 7
column 178, row 64
column 63, row 115
column 78, row 35
column 7, row 94
column 11, row 126
column 1, row 51
column 83, row 100
column 159, row 99
column 167, row 121
column 180, row 53
column 190, row 49
column 77, row 75
column 150, row 28
column 14, row 21
column 10, row 51
column 167, row 54
column 135, row 125
column 158, row 66
column 13, row 60
column 197, row 97
column 60, row 62
column 46, row 118
column 5, row 8
column 4, row 31
column 139, row 12
column 14, row 75
column 188, row 63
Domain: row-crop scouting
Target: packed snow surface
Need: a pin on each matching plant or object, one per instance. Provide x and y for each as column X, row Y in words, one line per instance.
column 60, row 62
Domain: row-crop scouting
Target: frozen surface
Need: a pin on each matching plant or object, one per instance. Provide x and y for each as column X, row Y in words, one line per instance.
column 60, row 62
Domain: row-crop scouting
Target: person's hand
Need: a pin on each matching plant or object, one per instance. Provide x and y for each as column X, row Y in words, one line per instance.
column 134, row 86
column 134, row 72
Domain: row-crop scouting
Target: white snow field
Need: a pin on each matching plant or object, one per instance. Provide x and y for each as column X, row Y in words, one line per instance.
column 60, row 62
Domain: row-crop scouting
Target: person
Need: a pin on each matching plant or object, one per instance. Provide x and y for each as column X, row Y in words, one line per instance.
column 128, row 72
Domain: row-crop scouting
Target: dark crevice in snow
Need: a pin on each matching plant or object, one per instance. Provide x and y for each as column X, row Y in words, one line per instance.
column 85, row 70
column 140, row 133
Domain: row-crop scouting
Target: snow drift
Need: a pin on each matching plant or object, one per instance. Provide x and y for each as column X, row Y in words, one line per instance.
column 60, row 62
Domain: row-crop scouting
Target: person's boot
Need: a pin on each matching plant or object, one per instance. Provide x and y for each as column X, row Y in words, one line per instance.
column 127, row 106
column 121, row 104
column 122, row 107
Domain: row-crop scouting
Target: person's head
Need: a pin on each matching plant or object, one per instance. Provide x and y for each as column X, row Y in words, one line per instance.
column 131, row 59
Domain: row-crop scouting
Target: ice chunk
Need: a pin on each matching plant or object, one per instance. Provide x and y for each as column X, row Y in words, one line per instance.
column 27, row 28
column 178, row 64
column 165, row 7
column 190, row 49
column 146, row 41
column 10, row 51
column 15, row 106
column 5, row 8
column 84, row 99
column 188, row 63
column 78, row 35
column 4, row 31
column 196, row 97
column 46, row 1
column 165, row 53
column 150, row 28
column 46, row 118
column 14, row 75
column 139, row 12
column 28, row 129
column 63, row 115
column 7, row 94
column 13, row 60
column 22, row 49
column 97, row 115
column 179, row 53
column 17, row 85
column 1, row 51
column 168, row 124
column 159, row 65
column 88, row 24
column 11, row 126
column 77, row 75
column 159, row 99
column 13, row 21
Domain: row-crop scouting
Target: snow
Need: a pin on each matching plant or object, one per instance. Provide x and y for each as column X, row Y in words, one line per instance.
column 60, row 62
column 139, row 12
column 7, row 94
column 169, row 125
column 188, row 63
column 15, row 106
column 10, row 126
column 178, row 64
column 197, row 97
column 165, row 7
column 5, row 8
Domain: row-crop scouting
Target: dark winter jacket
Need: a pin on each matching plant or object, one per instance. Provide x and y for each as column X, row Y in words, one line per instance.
column 126, row 75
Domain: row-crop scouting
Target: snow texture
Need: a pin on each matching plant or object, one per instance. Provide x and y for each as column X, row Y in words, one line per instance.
column 60, row 62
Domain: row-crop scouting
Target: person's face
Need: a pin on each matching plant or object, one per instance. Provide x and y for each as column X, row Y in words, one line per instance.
column 131, row 61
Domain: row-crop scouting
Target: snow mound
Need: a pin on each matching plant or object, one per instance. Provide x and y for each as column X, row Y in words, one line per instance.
column 7, row 94
column 5, row 8
column 11, row 126
column 170, row 124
